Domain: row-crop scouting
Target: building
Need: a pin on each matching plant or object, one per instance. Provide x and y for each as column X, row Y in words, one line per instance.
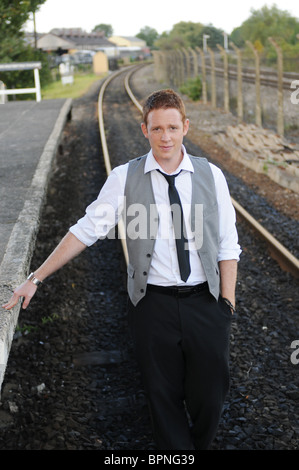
column 52, row 43
column 69, row 40
column 130, row 47
column 128, row 42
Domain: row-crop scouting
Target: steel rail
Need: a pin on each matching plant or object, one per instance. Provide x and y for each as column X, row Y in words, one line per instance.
column 132, row 69
column 129, row 91
column 286, row 260
column 121, row 228
column 284, row 257
column 267, row 78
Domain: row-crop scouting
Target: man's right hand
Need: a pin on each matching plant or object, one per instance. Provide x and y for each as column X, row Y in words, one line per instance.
column 25, row 290
column 68, row 248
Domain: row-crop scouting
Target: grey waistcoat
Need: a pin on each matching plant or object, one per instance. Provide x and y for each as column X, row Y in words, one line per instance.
column 139, row 194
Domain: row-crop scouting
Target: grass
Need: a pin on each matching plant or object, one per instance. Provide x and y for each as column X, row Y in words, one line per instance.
column 78, row 88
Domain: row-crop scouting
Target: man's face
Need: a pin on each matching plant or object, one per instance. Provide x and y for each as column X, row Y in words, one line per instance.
column 165, row 131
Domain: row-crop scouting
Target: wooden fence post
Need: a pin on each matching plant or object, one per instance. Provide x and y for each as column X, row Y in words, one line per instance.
column 213, row 79
column 194, row 61
column 182, row 67
column 203, row 74
column 188, row 65
column 239, row 81
column 280, row 119
column 177, row 59
column 173, row 61
column 158, row 62
column 258, row 112
column 225, row 76
column 171, row 66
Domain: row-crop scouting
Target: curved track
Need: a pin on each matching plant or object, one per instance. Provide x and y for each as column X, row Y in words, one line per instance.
column 261, row 411
column 75, row 340
column 283, row 256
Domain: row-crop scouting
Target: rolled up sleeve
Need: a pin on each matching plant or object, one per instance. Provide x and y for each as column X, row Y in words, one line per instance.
column 102, row 215
column 229, row 247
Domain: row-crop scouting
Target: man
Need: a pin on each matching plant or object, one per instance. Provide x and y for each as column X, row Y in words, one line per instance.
column 181, row 301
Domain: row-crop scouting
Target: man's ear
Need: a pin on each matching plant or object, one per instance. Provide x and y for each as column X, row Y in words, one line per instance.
column 186, row 127
column 144, row 130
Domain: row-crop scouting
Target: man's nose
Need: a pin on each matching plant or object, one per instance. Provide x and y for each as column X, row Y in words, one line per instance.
column 165, row 135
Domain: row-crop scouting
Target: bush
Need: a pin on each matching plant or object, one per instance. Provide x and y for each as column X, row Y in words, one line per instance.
column 192, row 88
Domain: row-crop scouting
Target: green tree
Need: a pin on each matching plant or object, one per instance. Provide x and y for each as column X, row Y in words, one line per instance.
column 189, row 31
column 167, row 42
column 149, row 35
column 13, row 15
column 264, row 23
column 189, row 34
column 106, row 28
column 237, row 37
column 183, row 34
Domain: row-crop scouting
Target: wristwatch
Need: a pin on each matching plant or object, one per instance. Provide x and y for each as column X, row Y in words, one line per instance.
column 228, row 302
column 33, row 279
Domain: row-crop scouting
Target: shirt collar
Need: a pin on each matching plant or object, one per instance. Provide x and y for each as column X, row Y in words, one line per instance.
column 152, row 164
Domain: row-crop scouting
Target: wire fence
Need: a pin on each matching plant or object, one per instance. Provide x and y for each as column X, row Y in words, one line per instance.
column 267, row 95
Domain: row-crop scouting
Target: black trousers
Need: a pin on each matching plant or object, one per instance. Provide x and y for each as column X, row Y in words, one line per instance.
column 182, row 346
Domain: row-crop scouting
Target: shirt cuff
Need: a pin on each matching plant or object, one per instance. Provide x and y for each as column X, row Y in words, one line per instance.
column 229, row 254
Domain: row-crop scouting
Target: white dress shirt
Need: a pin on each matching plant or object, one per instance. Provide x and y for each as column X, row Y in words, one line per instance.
column 104, row 213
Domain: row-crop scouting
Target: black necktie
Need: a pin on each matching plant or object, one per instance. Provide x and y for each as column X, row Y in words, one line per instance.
column 178, row 223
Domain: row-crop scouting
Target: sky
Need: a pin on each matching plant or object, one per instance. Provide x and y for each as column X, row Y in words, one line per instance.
column 127, row 18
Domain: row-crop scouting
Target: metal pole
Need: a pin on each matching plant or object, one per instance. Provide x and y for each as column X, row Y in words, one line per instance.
column 225, row 43
column 205, row 37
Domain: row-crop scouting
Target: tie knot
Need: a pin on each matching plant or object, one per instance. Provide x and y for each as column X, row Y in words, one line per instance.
column 170, row 178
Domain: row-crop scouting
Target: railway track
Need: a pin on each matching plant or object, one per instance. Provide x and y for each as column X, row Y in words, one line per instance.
column 267, row 77
column 71, row 382
column 280, row 253
column 260, row 413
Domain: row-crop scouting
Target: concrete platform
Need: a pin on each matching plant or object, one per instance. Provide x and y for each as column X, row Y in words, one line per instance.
column 30, row 133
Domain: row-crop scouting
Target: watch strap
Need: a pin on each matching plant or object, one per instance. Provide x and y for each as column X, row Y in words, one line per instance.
column 33, row 279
